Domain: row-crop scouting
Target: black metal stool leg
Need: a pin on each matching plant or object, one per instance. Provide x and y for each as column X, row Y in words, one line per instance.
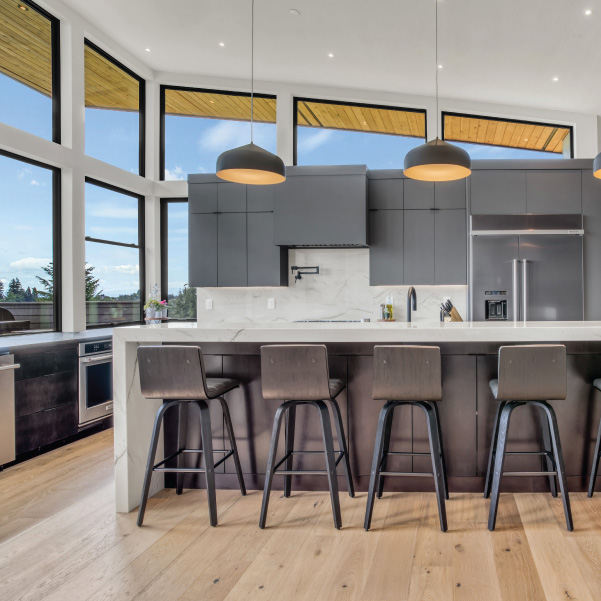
column 328, row 444
column 181, row 445
column 549, row 458
column 493, row 449
column 289, row 448
column 561, row 472
column 273, row 449
column 343, row 446
column 437, row 468
column 595, row 467
column 499, row 461
column 154, row 441
column 375, row 464
column 384, row 458
column 207, row 448
column 442, row 459
column 233, row 445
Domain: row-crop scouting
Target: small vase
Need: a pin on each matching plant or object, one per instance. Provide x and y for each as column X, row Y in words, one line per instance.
column 150, row 313
column 164, row 312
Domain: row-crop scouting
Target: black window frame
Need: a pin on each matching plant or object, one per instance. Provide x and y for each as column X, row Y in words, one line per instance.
column 366, row 105
column 141, row 102
column 56, row 235
column 443, row 114
column 141, row 246
column 163, row 89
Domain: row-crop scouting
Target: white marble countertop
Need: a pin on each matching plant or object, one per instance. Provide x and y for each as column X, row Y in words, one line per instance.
column 396, row 332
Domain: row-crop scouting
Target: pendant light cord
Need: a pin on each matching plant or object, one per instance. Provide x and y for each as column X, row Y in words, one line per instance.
column 437, row 69
column 252, row 67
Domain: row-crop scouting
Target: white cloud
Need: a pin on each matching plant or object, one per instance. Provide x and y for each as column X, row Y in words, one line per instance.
column 21, row 173
column 35, row 182
column 125, row 268
column 225, row 135
column 29, row 263
column 315, row 140
column 175, row 174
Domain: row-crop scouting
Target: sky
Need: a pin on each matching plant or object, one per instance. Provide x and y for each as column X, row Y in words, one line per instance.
column 192, row 145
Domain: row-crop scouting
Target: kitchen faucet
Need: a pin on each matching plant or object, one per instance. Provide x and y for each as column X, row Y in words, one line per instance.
column 411, row 302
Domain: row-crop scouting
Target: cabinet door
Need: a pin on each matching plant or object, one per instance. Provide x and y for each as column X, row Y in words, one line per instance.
column 260, row 198
column 386, row 248
column 591, row 208
column 267, row 264
column 418, row 248
column 231, row 249
column 554, row 191
column 450, row 247
column 38, row 394
column 202, row 198
column 450, row 195
column 419, row 195
column 231, row 198
column 386, row 193
column 202, row 250
column 498, row 192
column 45, row 427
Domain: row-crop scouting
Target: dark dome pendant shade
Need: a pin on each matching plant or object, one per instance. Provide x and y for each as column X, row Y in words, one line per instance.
column 251, row 164
column 437, row 161
column 597, row 166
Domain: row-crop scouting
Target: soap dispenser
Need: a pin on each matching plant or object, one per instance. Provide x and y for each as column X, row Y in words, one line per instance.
column 389, row 309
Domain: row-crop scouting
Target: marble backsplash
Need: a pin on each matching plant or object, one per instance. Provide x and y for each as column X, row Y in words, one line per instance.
column 340, row 291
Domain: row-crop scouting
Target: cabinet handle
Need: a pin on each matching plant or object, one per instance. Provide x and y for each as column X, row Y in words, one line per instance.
column 9, row 367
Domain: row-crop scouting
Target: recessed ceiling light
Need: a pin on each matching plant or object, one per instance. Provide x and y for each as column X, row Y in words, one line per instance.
column 556, row 79
column 440, row 66
column 221, row 44
column 23, row 7
column 588, row 12
column 525, row 139
column 147, row 49
column 365, row 123
column 294, row 12
column 331, row 55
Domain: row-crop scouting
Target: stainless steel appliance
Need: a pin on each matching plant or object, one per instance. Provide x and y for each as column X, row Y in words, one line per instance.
column 7, row 408
column 95, row 381
column 526, row 268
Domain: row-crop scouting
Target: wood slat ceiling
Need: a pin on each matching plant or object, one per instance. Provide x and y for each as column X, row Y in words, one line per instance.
column 395, row 122
column 218, row 106
column 530, row 136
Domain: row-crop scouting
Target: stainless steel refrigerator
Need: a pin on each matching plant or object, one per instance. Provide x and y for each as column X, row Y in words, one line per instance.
column 526, row 268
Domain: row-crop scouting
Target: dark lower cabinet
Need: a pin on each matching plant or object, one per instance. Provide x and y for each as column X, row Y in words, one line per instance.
column 46, row 392
column 46, row 427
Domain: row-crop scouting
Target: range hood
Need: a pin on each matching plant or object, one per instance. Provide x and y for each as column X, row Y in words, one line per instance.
column 322, row 207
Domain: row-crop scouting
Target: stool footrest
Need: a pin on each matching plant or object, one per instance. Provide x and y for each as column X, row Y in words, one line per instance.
column 157, row 467
column 541, row 453
column 291, row 453
column 530, row 473
column 406, row 453
column 180, row 470
column 302, row 472
column 415, row 474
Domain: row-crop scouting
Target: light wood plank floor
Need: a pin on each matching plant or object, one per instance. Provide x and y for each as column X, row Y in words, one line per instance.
column 60, row 540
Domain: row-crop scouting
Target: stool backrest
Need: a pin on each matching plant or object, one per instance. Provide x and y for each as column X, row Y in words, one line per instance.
column 295, row 372
column 172, row 372
column 407, row 373
column 535, row 372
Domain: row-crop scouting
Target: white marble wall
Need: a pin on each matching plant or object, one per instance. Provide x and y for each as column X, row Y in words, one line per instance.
column 340, row 291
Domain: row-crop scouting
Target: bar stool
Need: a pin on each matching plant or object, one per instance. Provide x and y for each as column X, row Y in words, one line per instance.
column 176, row 374
column 299, row 375
column 407, row 375
column 597, row 455
column 527, row 375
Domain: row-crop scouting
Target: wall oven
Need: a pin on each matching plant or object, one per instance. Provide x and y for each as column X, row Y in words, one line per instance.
column 95, row 381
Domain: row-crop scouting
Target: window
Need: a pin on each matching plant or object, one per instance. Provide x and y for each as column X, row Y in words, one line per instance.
column 29, row 69
column 489, row 138
column 114, row 255
column 29, row 246
column 198, row 125
column 174, row 259
column 114, row 111
column 345, row 133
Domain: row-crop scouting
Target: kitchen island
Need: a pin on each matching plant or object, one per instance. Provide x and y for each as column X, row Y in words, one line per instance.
column 469, row 361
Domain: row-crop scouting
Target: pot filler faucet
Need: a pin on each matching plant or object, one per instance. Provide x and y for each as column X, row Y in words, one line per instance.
column 300, row 271
column 411, row 302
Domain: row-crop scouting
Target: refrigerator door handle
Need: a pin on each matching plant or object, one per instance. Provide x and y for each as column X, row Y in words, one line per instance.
column 525, row 289
column 515, row 289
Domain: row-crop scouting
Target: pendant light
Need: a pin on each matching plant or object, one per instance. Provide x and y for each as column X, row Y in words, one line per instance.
column 437, row 160
column 597, row 166
column 251, row 164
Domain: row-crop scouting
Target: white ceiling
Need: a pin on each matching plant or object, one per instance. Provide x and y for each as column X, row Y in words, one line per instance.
column 503, row 51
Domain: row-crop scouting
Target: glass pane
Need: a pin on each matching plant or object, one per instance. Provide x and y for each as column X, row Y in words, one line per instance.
column 486, row 138
column 111, row 215
column 182, row 300
column 112, row 113
column 25, row 69
column 339, row 134
column 26, row 274
column 199, row 126
column 112, row 283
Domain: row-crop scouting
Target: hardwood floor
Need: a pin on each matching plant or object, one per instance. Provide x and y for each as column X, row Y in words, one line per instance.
column 60, row 539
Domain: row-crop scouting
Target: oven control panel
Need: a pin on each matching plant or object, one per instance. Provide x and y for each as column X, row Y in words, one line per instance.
column 100, row 346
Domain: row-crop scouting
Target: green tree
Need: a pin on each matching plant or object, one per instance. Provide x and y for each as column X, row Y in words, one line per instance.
column 1, row 290
column 15, row 293
column 183, row 304
column 92, row 283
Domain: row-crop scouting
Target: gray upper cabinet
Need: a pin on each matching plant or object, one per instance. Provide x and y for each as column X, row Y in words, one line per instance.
column 386, row 248
column 231, row 198
column 418, row 194
column 450, row 247
column 260, row 198
column 231, row 249
column 450, row 195
column 386, row 193
column 554, row 191
column 591, row 209
column 202, row 198
column 418, row 247
column 202, row 250
column 267, row 263
column 497, row 192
